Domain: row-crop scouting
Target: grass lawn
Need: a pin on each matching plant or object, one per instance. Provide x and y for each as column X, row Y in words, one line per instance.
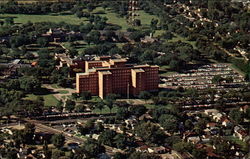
column 55, row 86
column 80, row 48
column 179, row 38
column 63, row 92
column 24, row 18
column 49, row 99
column 114, row 18
column 150, row 106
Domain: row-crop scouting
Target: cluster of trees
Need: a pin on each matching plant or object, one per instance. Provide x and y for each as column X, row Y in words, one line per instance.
column 13, row 7
column 175, row 54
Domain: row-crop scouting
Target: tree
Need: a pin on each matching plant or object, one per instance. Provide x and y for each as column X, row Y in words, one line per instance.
column 169, row 122
column 150, row 132
column 137, row 22
column 120, row 141
column 107, row 137
column 70, row 105
column 236, row 115
column 138, row 110
column 217, row 79
column 188, row 124
column 42, row 42
column 57, row 154
column 144, row 95
column 29, row 132
column 110, row 104
column 47, row 152
column 58, row 140
column 59, row 106
column 222, row 146
column 100, row 105
column 79, row 14
column 12, row 154
column 248, row 113
column 72, row 52
column 99, row 127
column 122, row 113
column 199, row 153
column 142, row 155
column 93, row 36
column 154, row 23
column 29, row 84
column 86, row 95
column 92, row 148
column 183, row 147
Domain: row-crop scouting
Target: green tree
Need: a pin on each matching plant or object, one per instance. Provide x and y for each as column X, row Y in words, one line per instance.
column 42, row 42
column 236, row 115
column 150, row 132
column 142, row 155
column 144, row 95
column 79, row 14
column 91, row 148
column 70, row 105
column 183, row 147
column 100, row 105
column 58, row 140
column 169, row 122
column 57, row 154
column 120, row 141
column 59, row 106
column 86, row 95
column 107, row 137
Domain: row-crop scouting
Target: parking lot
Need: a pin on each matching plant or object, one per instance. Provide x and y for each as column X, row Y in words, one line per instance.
column 200, row 77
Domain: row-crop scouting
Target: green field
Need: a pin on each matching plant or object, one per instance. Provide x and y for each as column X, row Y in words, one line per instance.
column 49, row 99
column 113, row 18
column 24, row 18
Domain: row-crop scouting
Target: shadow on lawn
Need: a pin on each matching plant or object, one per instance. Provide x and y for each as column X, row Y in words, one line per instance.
column 43, row 91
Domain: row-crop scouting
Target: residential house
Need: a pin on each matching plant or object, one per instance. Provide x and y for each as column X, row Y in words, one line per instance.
column 226, row 122
column 241, row 133
column 158, row 150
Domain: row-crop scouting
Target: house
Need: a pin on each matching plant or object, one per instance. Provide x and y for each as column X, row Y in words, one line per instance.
column 244, row 108
column 143, row 148
column 95, row 136
column 145, row 117
column 148, row 39
column 158, row 150
column 226, row 122
column 193, row 139
column 241, row 133
column 217, row 117
column 211, row 124
column 211, row 112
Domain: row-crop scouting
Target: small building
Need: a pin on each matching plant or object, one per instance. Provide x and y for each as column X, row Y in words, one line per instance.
column 159, row 150
column 226, row 122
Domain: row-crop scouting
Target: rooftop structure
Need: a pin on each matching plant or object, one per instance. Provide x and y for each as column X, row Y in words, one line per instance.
column 103, row 77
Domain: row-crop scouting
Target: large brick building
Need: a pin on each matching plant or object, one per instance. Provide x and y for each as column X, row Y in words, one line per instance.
column 105, row 76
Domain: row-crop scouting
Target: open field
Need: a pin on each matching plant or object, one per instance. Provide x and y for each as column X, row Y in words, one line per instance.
column 24, row 18
column 49, row 99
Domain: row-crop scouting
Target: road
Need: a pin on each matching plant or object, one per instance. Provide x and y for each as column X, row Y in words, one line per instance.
column 69, row 138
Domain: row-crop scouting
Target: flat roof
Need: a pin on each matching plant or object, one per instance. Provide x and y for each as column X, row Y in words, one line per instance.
column 119, row 60
column 138, row 70
column 105, row 72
